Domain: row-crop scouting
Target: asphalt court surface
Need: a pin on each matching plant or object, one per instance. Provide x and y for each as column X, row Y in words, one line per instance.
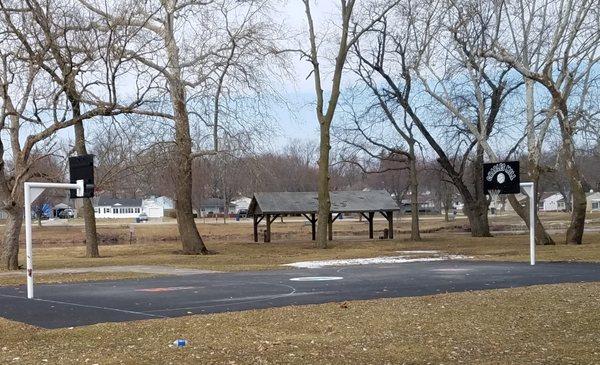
column 78, row 304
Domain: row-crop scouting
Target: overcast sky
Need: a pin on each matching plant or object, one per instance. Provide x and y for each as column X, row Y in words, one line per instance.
column 302, row 123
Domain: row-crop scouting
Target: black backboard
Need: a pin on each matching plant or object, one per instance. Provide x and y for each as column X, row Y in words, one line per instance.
column 503, row 176
column 82, row 168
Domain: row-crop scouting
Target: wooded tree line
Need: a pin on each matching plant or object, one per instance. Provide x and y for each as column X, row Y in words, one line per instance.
column 178, row 88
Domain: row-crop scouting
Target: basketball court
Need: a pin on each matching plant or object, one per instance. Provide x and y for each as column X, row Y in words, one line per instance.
column 78, row 304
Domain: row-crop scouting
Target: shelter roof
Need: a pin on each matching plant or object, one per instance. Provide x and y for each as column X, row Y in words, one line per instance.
column 307, row 202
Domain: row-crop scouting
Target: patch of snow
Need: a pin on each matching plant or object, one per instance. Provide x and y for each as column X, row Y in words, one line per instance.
column 452, row 270
column 371, row 261
column 416, row 252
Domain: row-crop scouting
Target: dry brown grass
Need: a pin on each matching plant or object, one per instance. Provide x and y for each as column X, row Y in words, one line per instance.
column 236, row 256
column 118, row 231
column 552, row 324
column 239, row 256
column 20, row 279
column 156, row 244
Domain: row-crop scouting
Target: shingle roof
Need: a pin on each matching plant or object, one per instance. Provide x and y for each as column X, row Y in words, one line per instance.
column 213, row 202
column 125, row 202
column 548, row 194
column 307, row 202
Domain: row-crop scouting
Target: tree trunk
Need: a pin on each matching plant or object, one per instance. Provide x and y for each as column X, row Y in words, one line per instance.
column 191, row 241
column 9, row 253
column 190, row 237
column 579, row 203
column 415, row 234
column 323, row 186
column 91, row 238
column 480, row 226
column 541, row 236
column 89, row 216
column 533, row 169
column 478, row 219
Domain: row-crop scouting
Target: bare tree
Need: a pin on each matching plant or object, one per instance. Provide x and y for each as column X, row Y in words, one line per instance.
column 559, row 50
column 33, row 108
column 123, row 163
column 349, row 35
column 61, row 29
column 391, row 60
column 192, row 48
column 478, row 107
column 383, row 128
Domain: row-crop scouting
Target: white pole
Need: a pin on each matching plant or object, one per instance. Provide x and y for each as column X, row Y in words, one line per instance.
column 28, row 244
column 532, row 208
column 39, row 186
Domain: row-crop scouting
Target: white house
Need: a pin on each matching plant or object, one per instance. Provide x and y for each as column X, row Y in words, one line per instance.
column 241, row 203
column 153, row 208
column 593, row 201
column 107, row 207
column 552, row 202
column 214, row 207
column 165, row 202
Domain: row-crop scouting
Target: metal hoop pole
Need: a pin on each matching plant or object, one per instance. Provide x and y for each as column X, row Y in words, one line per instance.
column 37, row 188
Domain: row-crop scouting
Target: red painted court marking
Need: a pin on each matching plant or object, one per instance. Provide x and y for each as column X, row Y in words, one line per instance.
column 171, row 288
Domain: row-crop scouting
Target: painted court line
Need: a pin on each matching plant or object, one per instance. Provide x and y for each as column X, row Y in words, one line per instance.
column 161, row 290
column 232, row 301
column 85, row 306
column 317, row 278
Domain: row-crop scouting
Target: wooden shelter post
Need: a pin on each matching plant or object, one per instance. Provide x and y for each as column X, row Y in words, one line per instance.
column 270, row 220
column 389, row 215
column 256, row 218
column 371, row 215
column 391, row 223
column 330, row 227
column 268, row 234
column 255, row 226
column 313, row 223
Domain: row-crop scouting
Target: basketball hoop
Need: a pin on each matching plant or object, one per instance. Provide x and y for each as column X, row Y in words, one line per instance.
column 503, row 178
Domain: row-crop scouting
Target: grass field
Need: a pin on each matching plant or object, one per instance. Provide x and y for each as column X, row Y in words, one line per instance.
column 64, row 233
column 239, row 255
column 551, row 324
column 233, row 250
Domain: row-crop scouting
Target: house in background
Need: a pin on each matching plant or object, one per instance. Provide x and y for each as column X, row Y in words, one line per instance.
column 241, row 204
column 153, row 208
column 552, row 202
column 215, row 207
column 593, row 201
column 106, row 207
column 164, row 201
column 426, row 200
